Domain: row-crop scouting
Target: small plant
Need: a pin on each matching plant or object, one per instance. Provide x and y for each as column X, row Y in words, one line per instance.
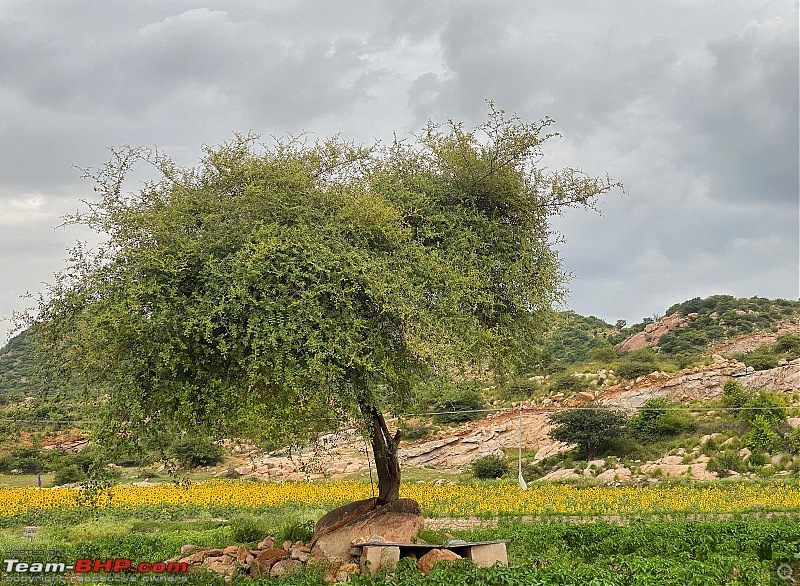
column 458, row 406
column 196, row 451
column 296, row 531
column 414, row 430
column 247, row 528
column 488, row 467
column 734, row 395
column 762, row 437
column 725, row 462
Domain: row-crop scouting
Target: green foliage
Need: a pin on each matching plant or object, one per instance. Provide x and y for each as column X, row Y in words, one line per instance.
column 762, row 437
column 768, row 406
column 793, row 441
column 726, row 461
column 488, row 467
column 274, row 290
column 28, row 460
column 565, row 383
column 734, row 394
column 594, row 427
column 296, row 531
column 193, row 451
column 635, row 365
column 786, row 347
column 68, row 474
column 414, row 430
column 655, row 420
column 458, row 406
column 248, row 528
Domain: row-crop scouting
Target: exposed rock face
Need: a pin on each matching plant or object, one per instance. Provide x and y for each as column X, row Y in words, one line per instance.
column 749, row 342
column 781, row 379
column 652, row 332
column 397, row 521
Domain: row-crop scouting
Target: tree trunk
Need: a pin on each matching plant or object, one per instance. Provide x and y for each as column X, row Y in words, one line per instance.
column 384, row 447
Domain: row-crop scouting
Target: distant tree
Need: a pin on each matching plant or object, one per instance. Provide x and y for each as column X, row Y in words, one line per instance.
column 593, row 427
column 272, row 292
column 621, row 323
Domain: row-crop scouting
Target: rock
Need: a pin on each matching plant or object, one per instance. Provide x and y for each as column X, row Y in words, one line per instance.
column 231, row 550
column 344, row 572
column 188, row 548
column 220, row 565
column 425, row 563
column 299, row 554
column 287, row 545
column 744, row 453
column 563, row 474
column 266, row 543
column 274, row 554
column 398, row 521
column 284, row 567
column 586, row 396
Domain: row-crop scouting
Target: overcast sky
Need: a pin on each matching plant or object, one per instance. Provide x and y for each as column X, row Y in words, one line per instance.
column 693, row 105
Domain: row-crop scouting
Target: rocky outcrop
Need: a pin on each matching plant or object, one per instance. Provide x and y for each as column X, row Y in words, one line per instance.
column 653, row 331
column 749, row 342
column 398, row 521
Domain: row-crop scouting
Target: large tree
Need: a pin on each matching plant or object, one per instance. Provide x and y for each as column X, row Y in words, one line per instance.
column 273, row 291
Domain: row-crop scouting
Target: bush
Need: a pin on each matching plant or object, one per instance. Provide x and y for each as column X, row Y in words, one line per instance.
column 793, row 441
column 593, row 428
column 725, row 462
column 414, row 430
column 565, row 382
column 68, row 475
column 766, row 405
column 762, row 437
column 27, row 460
column 636, row 365
column 488, row 467
column 655, row 421
column 519, row 389
column 460, row 405
column 734, row 394
column 247, row 529
column 196, row 451
column 296, row 531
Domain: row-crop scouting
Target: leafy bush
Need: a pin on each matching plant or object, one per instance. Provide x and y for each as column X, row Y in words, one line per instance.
column 247, row 529
column 762, row 437
column 725, row 462
column 565, row 382
column 27, row 460
column 68, row 474
column 766, row 405
column 593, row 427
column 296, row 531
column 519, row 389
column 793, row 441
column 488, row 467
column 460, row 406
column 656, row 421
column 631, row 369
column 196, row 451
column 734, row 394
column 414, row 430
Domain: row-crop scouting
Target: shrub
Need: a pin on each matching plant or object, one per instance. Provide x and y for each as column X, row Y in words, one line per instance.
column 460, row 406
column 734, row 394
column 655, row 421
column 414, row 430
column 762, row 437
column 766, row 405
column 68, row 475
column 565, row 382
column 519, row 389
column 488, row 467
column 296, row 531
column 196, row 451
column 725, row 462
column 247, row 528
column 26, row 459
column 635, row 366
column 793, row 441
column 593, row 428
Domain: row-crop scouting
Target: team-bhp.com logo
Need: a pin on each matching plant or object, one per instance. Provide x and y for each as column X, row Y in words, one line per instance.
column 95, row 566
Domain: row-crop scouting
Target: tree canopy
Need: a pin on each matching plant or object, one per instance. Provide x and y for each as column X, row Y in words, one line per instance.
column 275, row 290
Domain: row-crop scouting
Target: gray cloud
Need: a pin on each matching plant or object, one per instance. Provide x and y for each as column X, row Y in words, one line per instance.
column 693, row 106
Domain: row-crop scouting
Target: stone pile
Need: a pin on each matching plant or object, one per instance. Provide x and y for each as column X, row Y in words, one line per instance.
column 265, row 559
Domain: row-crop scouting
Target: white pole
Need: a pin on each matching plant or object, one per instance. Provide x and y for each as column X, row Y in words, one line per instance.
column 522, row 483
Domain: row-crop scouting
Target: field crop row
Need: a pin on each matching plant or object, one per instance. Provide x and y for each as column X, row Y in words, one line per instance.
column 483, row 500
